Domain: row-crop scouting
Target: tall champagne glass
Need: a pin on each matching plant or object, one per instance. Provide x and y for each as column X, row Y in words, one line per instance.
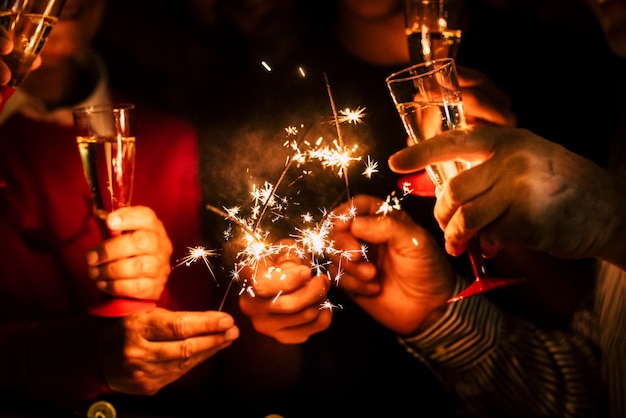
column 429, row 101
column 106, row 141
column 28, row 24
column 432, row 29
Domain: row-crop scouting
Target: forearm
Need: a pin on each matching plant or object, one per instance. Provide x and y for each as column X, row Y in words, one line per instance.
column 496, row 365
column 52, row 360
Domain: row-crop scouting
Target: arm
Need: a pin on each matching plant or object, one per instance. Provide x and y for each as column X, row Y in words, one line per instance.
column 498, row 365
column 492, row 364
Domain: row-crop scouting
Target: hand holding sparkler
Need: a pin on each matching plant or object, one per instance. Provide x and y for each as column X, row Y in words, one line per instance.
column 286, row 299
column 407, row 286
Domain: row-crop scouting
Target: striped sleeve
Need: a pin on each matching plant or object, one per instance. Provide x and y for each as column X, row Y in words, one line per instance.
column 495, row 365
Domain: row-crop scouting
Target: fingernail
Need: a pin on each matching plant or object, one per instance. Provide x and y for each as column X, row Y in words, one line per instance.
column 92, row 257
column 225, row 323
column 114, row 221
column 231, row 334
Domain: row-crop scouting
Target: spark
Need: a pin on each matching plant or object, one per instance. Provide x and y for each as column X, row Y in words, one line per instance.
column 197, row 253
column 406, row 188
column 390, row 204
column 266, row 66
column 371, row 167
column 351, row 116
column 268, row 202
column 329, row 306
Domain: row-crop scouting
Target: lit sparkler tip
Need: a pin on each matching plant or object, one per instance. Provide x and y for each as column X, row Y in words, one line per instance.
column 371, row 167
column 195, row 254
column 389, row 205
column 351, row 116
column 329, row 306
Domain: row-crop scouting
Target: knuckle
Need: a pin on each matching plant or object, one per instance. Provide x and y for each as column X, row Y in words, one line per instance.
column 187, row 350
column 468, row 218
column 143, row 240
column 180, row 326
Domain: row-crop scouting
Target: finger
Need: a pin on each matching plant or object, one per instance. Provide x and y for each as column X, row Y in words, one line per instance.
column 130, row 244
column 447, row 146
column 485, row 198
column 462, row 188
column 173, row 326
column 281, row 280
column 6, row 44
column 301, row 333
column 132, row 218
column 36, row 63
column 146, row 265
column 5, row 75
column 485, row 110
column 357, row 285
column 288, row 303
column 141, row 288
column 182, row 355
column 486, row 101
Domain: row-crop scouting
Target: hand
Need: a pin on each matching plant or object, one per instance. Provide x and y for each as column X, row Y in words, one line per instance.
column 528, row 191
column 407, row 280
column 483, row 102
column 6, row 46
column 286, row 300
column 135, row 261
column 143, row 352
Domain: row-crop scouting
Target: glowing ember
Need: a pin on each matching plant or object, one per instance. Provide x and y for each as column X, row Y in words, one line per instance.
column 198, row 253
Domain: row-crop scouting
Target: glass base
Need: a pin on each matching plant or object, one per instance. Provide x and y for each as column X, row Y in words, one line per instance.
column 417, row 184
column 5, row 92
column 483, row 285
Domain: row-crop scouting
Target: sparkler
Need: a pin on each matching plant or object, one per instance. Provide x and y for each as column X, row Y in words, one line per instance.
column 310, row 236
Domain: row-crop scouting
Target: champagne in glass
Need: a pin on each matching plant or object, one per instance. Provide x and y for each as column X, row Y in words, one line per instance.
column 428, row 99
column 28, row 24
column 106, row 141
column 426, row 45
column 432, row 29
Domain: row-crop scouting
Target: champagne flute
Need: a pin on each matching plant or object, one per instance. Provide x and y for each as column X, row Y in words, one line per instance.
column 432, row 29
column 28, row 23
column 106, row 141
column 428, row 99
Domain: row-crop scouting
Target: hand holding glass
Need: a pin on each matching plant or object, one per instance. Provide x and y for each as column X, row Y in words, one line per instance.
column 28, row 24
column 428, row 99
column 106, row 141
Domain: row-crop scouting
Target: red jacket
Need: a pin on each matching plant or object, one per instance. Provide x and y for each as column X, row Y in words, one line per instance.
column 46, row 226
